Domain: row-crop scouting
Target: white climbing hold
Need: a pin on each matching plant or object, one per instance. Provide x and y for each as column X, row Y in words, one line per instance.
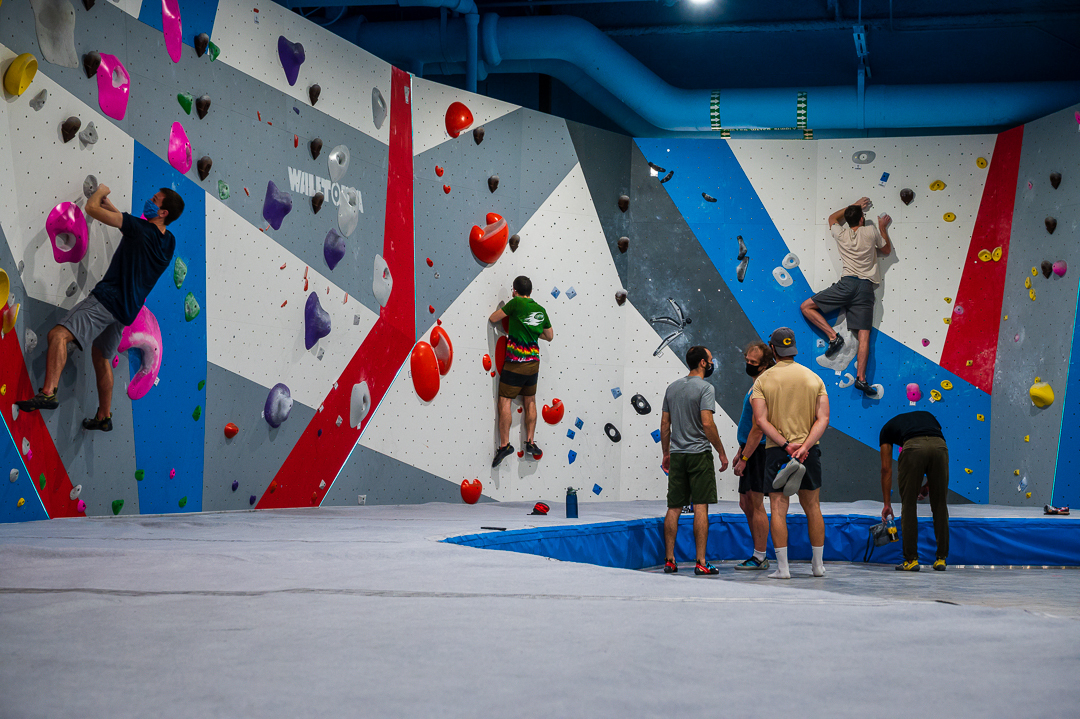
column 382, row 283
column 359, row 404
column 782, row 277
column 847, row 381
column 75, row 492
column 791, row 261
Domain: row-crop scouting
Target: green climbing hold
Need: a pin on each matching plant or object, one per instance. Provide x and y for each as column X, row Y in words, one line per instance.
column 222, row 190
column 197, row 413
column 117, row 505
column 182, row 502
column 214, row 51
column 191, row 307
column 139, row 474
column 186, row 100
column 202, row 383
column 41, row 480
column 179, row 272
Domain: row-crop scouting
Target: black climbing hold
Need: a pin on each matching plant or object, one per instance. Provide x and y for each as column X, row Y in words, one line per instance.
column 202, row 106
column 708, row 197
column 1047, row 268
column 656, row 168
column 740, row 274
column 611, row 432
column 203, row 165
column 313, row 93
column 640, row 404
column 316, row 147
column 624, row 203
column 515, row 240
column 316, row 202
column 70, row 128
column 493, row 183
column 1055, row 179
column 202, row 41
column 1051, row 225
column 624, row 244
column 667, row 177
column 478, row 135
column 906, row 196
column 90, row 62
column 88, row 4
column 742, row 248
column 620, row 297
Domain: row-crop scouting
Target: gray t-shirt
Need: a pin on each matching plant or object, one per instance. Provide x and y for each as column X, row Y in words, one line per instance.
column 685, row 400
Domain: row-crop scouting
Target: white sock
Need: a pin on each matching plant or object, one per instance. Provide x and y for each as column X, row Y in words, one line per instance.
column 759, row 555
column 817, row 564
column 782, row 571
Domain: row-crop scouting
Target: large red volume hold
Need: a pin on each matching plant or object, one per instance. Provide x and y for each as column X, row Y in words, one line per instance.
column 458, row 119
column 425, row 371
column 470, row 491
column 444, row 350
column 554, row 413
column 500, row 353
column 489, row 242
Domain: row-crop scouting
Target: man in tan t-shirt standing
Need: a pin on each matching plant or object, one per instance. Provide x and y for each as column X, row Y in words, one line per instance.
column 859, row 244
column 791, row 407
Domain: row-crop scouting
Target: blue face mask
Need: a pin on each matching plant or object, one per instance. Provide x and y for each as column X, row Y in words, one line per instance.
column 150, row 210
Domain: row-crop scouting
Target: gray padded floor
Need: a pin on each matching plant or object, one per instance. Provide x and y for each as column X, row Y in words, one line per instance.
column 362, row 612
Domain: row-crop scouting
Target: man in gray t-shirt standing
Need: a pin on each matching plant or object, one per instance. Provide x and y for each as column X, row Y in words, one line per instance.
column 687, row 430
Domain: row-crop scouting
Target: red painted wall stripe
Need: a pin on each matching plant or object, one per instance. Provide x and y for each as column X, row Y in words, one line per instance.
column 324, row 446
column 973, row 334
column 16, row 383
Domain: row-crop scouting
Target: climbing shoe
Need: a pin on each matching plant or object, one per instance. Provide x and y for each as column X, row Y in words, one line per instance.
column 39, row 401
column 706, row 568
column 670, row 567
column 753, row 563
column 105, row 425
column 531, row 450
column 864, row 387
column 835, row 345
column 909, row 565
column 939, row 565
column 502, row 453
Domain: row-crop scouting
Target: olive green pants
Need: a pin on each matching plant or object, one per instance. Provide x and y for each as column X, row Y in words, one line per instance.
column 924, row 457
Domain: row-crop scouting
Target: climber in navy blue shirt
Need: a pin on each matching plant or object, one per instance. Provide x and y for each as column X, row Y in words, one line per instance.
column 145, row 250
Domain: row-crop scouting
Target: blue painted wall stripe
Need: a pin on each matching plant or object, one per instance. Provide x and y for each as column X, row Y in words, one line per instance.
column 196, row 16
column 1067, row 472
column 23, row 487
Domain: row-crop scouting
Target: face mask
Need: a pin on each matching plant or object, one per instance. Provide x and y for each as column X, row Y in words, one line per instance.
column 708, row 369
column 753, row 370
column 150, row 210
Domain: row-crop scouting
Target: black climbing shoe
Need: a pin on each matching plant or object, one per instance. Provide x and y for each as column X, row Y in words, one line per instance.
column 835, row 346
column 864, row 387
column 502, row 453
column 105, row 425
column 531, row 450
column 39, row 401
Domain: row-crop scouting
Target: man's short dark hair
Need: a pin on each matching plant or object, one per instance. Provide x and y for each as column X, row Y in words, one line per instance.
column 852, row 215
column 694, row 355
column 173, row 204
column 523, row 286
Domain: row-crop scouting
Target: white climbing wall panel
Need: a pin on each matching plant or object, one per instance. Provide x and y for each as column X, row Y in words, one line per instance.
column 430, row 101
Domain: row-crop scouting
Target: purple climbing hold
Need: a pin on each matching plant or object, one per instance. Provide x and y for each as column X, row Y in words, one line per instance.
column 333, row 248
column 278, row 405
column 292, row 57
column 316, row 321
column 235, row 485
column 251, row 499
column 276, row 205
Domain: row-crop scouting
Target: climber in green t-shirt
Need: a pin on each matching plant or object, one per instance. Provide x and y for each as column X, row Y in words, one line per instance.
column 528, row 323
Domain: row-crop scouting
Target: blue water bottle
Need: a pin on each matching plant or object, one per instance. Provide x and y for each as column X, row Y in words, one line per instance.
column 890, row 527
column 571, row 503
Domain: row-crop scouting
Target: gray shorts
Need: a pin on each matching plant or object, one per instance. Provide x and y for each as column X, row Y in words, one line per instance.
column 852, row 294
column 91, row 323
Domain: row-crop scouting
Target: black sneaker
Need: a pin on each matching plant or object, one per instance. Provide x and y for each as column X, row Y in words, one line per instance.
column 531, row 450
column 502, row 453
column 105, row 425
column 39, row 401
column 835, row 345
column 864, row 387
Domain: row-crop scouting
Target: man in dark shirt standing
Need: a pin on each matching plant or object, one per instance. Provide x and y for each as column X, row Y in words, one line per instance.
column 924, row 453
column 145, row 250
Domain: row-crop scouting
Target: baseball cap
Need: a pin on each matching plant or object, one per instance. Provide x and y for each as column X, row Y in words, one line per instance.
column 783, row 340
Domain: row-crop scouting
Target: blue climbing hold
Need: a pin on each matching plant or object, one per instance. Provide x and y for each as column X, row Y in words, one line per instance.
column 656, row 435
column 570, row 433
column 597, row 489
column 573, row 456
column 616, row 392
column 578, row 423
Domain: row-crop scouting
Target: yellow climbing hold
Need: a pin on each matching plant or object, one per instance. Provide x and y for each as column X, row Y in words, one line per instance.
column 1006, row 317
column 981, row 163
column 20, row 74
column 948, row 217
column 937, row 185
column 1031, row 294
column 985, row 255
column 1027, row 437
column 949, row 300
column 969, row 363
column 935, row 395
column 1042, row 394
column 1027, row 282
column 5, row 287
column 996, row 254
column 1016, row 472
column 1034, row 271
column 948, row 320
column 980, row 418
column 3, row 389
column 946, row 384
column 1028, row 495
column 967, row 470
column 21, row 502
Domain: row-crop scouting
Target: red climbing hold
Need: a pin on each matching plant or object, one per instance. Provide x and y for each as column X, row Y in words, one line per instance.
column 487, row 363
column 430, row 263
column 431, row 309
column 438, row 171
column 554, row 413
column 519, row 410
column 492, row 373
column 296, row 141
column 425, row 371
column 470, row 491
column 489, row 242
column 446, row 189
column 231, row 430
column 458, row 119
column 444, row 350
column 500, row 353
column 505, row 324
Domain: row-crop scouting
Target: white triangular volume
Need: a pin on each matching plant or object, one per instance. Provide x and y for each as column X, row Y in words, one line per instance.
column 598, row 346
column 248, row 330
column 430, row 102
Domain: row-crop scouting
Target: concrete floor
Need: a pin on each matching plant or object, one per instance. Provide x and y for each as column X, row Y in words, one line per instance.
column 362, row 612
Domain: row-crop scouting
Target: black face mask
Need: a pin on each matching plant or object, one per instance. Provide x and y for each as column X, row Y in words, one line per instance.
column 709, row 369
column 753, row 370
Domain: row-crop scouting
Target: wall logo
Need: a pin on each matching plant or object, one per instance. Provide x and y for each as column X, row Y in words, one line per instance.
column 308, row 184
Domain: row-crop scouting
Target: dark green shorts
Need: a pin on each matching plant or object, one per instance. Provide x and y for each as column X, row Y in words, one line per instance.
column 691, row 479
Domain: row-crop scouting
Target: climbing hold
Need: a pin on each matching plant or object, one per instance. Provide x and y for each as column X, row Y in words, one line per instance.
column 446, row 189
column 214, row 50
column 70, row 128
column 488, row 243
column 967, row 470
column 13, row 476
column 624, row 244
column 143, row 335
column 1027, row 283
column 203, row 166
column 171, row 28
column 624, row 203
column 21, row 502
column 89, row 134
column 937, row 185
column 425, row 371
column 66, row 227
column 1027, row 437
column 41, row 481
column 458, row 119
column 333, row 248
column 359, row 404
column 316, row 147
column 493, row 183
column 996, row 254
column 316, row 321
column 572, row 455
column 202, row 106
column 740, row 273
column 935, row 396
column 1060, row 268
column 117, row 505
column 39, row 100
column 790, row 261
column 980, row 418
column 948, row 217
column 1055, row 179
column 313, row 93
column 114, row 84
column 863, row 157
column 186, row 100
column 1042, row 394
column 9, row 315
column 667, row 177
column 946, row 384
column 430, row 263
column 55, row 20
column 914, row 392
column 292, row 57
column 183, row 502
column 500, row 354
column 235, row 485
column 947, row 320
column 202, row 40
column 231, row 430
column 444, row 350
column 487, row 363
column 616, row 392
column 91, row 61
column 172, row 473
column 1031, row 294
column 80, row 507
column 139, row 474
column 251, row 499
column 196, row 413
column 981, row 163
column 222, row 190
column 620, row 297
column 180, row 149
column 478, row 135
column 378, row 108
column 276, row 205
column 1047, row 268
column 202, row 383
column 75, row 492
column 514, row 241
column 317, row 202
column 846, row 381
column 191, row 307
column 554, row 413
column 1051, row 225
column 612, row 433
column 906, row 196
column 1034, row 272
column 278, row 405
column 707, row 197
column 640, row 404
column 438, row 171
column 470, row 491
column 382, row 282
column 20, row 73
column 782, row 277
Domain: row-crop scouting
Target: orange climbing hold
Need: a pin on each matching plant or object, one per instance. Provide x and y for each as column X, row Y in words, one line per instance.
column 554, row 413
column 470, row 491
column 425, row 371
column 489, row 242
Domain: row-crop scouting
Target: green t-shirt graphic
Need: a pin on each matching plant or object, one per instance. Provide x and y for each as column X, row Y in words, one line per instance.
column 528, row 320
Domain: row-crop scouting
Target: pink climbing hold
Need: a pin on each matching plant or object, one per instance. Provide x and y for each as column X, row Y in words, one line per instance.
column 925, row 342
column 113, row 84
column 170, row 24
column 179, row 149
column 172, row 473
column 67, row 230
column 914, row 392
column 144, row 335
column 1060, row 268
column 81, row 507
column 116, row 361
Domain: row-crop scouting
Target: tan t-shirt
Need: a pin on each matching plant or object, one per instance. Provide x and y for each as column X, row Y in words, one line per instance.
column 791, row 394
column 858, row 250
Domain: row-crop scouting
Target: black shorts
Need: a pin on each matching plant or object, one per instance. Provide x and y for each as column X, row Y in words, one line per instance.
column 753, row 477
column 852, row 294
column 518, row 379
column 776, row 457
